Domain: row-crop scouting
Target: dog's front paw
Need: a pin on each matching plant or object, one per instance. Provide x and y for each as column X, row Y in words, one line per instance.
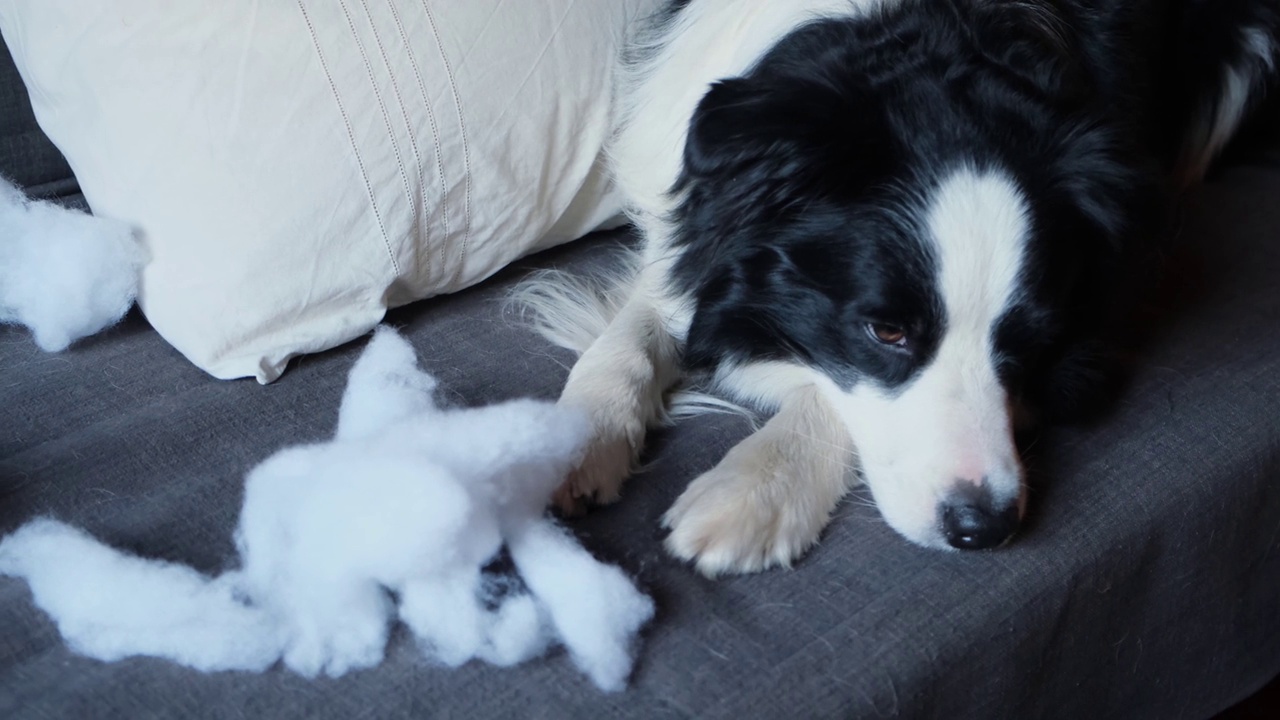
column 753, row 511
column 598, row 480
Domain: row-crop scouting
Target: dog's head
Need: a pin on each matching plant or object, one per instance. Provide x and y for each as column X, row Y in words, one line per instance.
column 929, row 246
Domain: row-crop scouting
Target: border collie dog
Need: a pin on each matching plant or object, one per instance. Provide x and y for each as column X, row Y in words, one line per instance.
column 900, row 226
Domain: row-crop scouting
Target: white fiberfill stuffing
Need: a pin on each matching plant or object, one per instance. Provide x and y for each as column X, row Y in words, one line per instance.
column 110, row 605
column 64, row 274
column 409, row 501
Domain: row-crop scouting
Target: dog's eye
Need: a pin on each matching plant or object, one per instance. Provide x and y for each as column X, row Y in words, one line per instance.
column 887, row 334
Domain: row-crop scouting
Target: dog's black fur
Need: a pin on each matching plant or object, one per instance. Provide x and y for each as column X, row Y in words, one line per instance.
column 905, row 225
column 800, row 177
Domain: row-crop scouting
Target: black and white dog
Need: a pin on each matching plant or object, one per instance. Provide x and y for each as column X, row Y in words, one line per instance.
column 898, row 224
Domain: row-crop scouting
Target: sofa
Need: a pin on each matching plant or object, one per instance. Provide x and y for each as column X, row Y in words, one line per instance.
column 1146, row 585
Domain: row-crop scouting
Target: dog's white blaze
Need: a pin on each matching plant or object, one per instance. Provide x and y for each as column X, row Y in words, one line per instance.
column 712, row 40
column 979, row 225
column 951, row 423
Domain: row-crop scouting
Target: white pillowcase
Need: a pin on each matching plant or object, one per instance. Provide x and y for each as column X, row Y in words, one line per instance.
column 296, row 167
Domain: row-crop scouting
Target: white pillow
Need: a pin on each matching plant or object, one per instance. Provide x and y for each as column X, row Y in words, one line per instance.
column 296, row 167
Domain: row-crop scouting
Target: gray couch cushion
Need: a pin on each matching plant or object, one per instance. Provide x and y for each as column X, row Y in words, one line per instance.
column 27, row 157
column 1147, row 585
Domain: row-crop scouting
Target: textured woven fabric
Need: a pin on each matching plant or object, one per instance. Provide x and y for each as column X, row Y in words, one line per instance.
column 1146, row 585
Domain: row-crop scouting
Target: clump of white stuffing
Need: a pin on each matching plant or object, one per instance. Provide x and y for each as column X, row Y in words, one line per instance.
column 64, row 274
column 409, row 501
column 110, row 605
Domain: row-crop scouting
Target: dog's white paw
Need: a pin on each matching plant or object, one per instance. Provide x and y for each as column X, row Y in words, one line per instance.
column 598, row 479
column 753, row 511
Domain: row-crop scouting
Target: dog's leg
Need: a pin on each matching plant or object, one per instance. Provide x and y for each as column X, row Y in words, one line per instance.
column 621, row 380
column 768, row 500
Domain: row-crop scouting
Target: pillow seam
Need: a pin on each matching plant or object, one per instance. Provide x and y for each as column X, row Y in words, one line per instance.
column 351, row 138
column 466, row 151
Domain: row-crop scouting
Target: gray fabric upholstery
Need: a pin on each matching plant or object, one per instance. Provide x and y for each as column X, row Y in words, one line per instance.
column 1146, row 586
column 26, row 155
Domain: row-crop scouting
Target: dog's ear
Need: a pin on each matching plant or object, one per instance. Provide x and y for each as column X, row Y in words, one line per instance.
column 786, row 127
column 727, row 127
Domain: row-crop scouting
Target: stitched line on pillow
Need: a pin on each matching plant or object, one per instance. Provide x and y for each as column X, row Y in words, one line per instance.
column 382, row 106
column 351, row 138
column 415, row 198
column 466, row 152
column 435, row 135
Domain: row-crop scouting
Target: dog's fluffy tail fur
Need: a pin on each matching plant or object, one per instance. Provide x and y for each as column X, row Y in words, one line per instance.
column 571, row 311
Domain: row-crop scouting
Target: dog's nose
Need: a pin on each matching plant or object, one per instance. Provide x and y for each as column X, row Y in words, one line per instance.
column 973, row 527
column 971, row 524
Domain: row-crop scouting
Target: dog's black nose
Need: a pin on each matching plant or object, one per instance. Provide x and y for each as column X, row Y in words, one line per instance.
column 974, row 526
